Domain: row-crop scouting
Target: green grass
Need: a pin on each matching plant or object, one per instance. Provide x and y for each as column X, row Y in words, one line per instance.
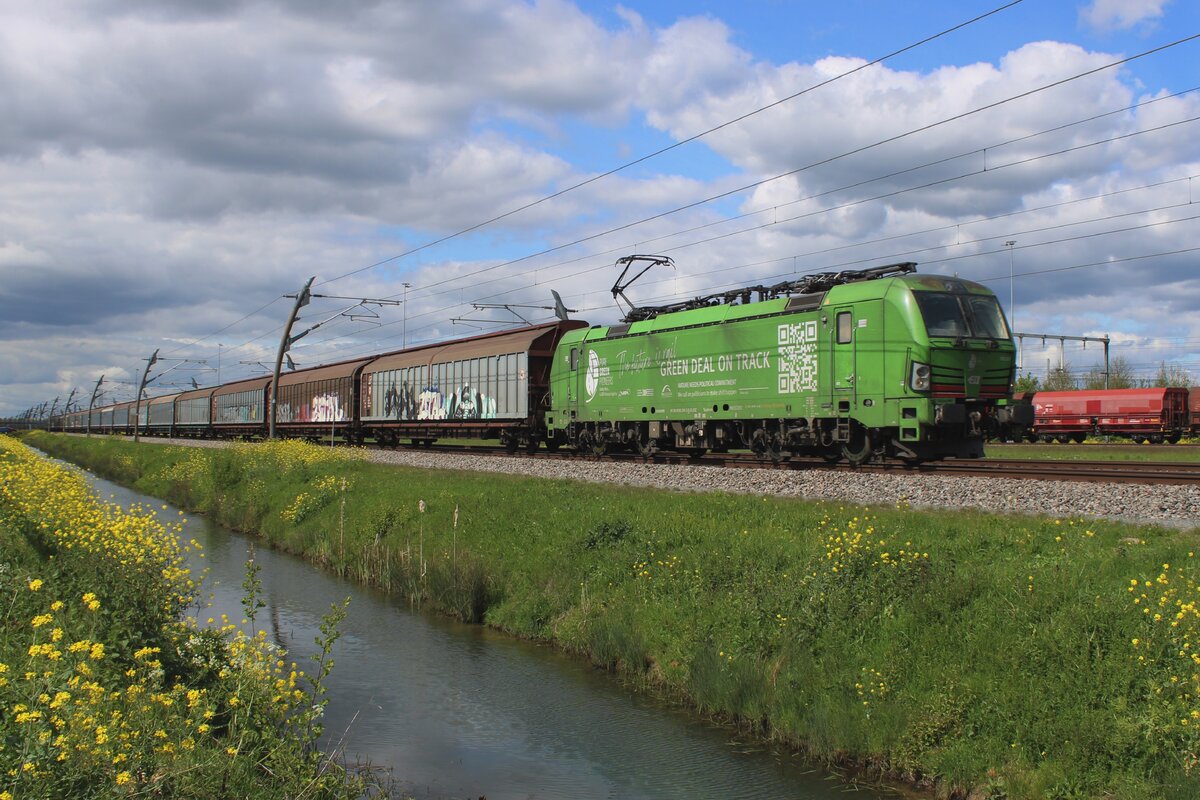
column 986, row 652
column 1089, row 451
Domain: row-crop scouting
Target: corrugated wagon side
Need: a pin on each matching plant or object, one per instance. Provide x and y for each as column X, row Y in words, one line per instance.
column 320, row 401
column 240, row 409
column 122, row 418
column 193, row 412
column 494, row 386
column 159, row 415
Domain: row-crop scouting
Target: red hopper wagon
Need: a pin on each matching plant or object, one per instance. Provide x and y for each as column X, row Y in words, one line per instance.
column 1144, row 415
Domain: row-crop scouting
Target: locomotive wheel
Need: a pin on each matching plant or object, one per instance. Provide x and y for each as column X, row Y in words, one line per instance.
column 859, row 449
column 832, row 454
column 645, row 449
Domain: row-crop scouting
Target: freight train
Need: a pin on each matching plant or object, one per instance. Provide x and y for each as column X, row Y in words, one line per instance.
column 852, row 365
column 1150, row 415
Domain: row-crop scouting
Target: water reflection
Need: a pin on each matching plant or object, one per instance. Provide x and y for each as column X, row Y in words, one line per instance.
column 461, row 711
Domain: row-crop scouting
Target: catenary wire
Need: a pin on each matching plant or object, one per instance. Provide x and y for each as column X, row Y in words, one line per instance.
column 819, row 163
column 993, row 169
column 680, row 143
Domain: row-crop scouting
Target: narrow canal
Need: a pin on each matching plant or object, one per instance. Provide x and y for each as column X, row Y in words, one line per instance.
column 459, row 711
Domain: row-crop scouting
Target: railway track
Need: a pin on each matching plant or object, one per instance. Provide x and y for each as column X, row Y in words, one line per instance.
column 1176, row 473
column 1179, row 473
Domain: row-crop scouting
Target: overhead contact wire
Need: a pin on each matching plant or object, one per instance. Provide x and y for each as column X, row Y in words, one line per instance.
column 675, row 145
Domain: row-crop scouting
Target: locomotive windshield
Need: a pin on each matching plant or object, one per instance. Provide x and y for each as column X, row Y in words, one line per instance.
column 962, row 316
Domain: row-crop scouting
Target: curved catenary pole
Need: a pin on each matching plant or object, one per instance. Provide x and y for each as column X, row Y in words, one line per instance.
column 137, row 411
column 284, row 343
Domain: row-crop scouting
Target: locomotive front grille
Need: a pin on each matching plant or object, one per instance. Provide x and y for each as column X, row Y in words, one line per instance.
column 947, row 381
column 995, row 384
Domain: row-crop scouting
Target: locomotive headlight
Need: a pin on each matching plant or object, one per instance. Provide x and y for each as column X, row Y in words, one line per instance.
column 919, row 379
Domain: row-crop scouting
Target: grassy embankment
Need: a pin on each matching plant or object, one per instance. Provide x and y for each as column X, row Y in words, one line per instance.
column 106, row 689
column 1026, row 658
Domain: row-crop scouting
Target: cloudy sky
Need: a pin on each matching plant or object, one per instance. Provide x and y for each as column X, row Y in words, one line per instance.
column 172, row 169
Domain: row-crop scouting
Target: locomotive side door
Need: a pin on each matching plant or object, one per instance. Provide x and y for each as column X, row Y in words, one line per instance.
column 844, row 379
column 573, row 380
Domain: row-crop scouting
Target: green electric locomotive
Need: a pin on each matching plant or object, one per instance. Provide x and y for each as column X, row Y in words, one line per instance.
column 857, row 364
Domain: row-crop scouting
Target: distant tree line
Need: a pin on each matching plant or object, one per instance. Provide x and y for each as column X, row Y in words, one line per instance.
column 1120, row 376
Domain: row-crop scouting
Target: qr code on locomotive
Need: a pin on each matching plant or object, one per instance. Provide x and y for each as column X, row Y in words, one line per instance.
column 798, row 357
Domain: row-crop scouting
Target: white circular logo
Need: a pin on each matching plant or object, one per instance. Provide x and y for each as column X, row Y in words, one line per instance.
column 592, row 382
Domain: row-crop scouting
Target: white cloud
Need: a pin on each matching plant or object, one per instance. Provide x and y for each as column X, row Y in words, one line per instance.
column 1121, row 14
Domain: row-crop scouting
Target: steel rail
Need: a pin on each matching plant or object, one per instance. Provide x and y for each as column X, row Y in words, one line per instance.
column 1175, row 473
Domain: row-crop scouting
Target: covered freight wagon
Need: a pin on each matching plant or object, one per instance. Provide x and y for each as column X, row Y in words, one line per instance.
column 240, row 408
column 122, row 417
column 319, row 401
column 490, row 386
column 160, row 414
column 1147, row 415
column 193, row 412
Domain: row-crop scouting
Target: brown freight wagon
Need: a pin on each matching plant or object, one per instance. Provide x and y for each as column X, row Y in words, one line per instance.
column 494, row 386
column 193, row 412
column 319, row 401
column 240, row 409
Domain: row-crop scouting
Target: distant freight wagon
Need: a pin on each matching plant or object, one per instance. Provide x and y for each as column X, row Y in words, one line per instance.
column 1145, row 415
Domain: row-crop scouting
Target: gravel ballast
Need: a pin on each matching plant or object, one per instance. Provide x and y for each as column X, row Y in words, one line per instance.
column 1171, row 505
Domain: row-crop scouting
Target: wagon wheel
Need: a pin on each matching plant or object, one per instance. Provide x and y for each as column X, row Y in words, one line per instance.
column 858, row 450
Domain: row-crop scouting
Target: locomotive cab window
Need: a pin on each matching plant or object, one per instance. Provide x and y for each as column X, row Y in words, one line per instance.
column 845, row 327
column 965, row 316
column 574, row 358
column 943, row 314
column 986, row 318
